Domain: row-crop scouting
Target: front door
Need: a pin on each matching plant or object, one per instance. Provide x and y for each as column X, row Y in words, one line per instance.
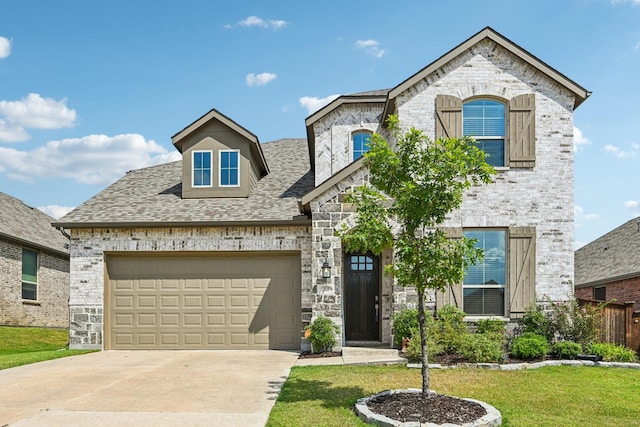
column 362, row 297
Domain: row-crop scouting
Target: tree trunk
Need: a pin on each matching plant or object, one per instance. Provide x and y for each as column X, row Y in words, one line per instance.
column 423, row 343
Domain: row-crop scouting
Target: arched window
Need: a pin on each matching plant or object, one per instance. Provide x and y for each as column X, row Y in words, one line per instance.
column 359, row 144
column 484, row 120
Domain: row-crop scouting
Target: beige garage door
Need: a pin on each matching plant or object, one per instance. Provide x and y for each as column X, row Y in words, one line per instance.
column 229, row 301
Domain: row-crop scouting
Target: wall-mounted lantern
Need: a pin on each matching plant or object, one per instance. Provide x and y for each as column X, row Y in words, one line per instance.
column 326, row 270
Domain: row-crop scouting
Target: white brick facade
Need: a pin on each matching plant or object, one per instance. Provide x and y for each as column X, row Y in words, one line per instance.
column 88, row 248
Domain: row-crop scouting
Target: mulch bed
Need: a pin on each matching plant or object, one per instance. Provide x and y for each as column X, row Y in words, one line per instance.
column 309, row 355
column 437, row 408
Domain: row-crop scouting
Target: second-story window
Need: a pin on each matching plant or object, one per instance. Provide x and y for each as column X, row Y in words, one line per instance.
column 484, row 120
column 202, row 169
column 229, row 168
column 360, row 144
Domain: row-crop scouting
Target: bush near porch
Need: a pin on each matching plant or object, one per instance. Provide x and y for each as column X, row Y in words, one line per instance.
column 559, row 330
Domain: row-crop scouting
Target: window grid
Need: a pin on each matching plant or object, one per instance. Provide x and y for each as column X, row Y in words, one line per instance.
column 202, row 166
column 360, row 144
column 229, row 168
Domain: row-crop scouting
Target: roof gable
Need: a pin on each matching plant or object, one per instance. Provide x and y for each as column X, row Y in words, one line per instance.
column 613, row 256
column 580, row 93
column 181, row 137
column 374, row 96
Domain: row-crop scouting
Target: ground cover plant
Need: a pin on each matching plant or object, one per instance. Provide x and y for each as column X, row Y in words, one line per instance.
column 22, row 346
column 325, row 395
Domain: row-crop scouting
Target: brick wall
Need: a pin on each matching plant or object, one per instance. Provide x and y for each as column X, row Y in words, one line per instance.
column 88, row 247
column 541, row 197
column 51, row 308
column 621, row 290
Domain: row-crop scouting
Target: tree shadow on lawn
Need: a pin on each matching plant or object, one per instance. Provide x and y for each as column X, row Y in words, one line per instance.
column 331, row 396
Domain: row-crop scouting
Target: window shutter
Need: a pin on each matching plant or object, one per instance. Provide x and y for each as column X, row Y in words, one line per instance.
column 453, row 294
column 522, row 270
column 448, row 117
column 522, row 131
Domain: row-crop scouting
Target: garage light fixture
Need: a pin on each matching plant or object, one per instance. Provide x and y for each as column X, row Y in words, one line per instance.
column 326, row 269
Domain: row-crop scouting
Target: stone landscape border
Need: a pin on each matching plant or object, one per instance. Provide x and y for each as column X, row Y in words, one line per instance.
column 526, row 365
column 490, row 419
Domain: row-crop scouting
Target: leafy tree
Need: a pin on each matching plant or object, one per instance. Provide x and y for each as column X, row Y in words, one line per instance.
column 412, row 189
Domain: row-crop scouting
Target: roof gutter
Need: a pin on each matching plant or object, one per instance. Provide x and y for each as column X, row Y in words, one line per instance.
column 34, row 245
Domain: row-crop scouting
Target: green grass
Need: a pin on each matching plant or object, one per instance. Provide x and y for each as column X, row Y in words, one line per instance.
column 22, row 346
column 550, row 396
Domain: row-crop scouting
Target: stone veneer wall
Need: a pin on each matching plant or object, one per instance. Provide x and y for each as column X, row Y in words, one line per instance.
column 88, row 247
column 541, row 197
column 51, row 308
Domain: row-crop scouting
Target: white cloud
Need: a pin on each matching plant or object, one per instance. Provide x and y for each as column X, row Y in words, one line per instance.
column 56, row 211
column 34, row 112
column 372, row 47
column 93, row 159
column 313, row 104
column 579, row 139
column 259, row 79
column 256, row 21
column 5, row 47
column 620, row 153
column 579, row 214
column 631, row 204
column 12, row 133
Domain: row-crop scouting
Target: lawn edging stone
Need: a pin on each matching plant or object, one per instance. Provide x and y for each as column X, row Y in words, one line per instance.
column 526, row 365
column 492, row 418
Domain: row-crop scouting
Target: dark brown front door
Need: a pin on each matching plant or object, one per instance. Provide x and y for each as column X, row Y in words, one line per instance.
column 362, row 297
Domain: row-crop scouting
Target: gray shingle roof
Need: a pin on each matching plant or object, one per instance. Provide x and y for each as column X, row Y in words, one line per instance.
column 153, row 195
column 615, row 255
column 29, row 225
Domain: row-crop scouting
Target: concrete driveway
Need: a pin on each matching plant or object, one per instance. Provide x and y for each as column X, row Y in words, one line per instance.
column 134, row 388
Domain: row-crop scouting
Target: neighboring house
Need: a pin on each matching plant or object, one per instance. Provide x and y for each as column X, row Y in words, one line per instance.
column 34, row 267
column 236, row 246
column 609, row 267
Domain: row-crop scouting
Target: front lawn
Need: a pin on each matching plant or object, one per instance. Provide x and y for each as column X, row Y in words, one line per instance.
column 21, row 346
column 550, row 396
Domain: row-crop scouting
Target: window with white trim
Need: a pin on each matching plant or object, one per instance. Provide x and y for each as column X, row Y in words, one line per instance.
column 484, row 120
column 484, row 284
column 359, row 144
column 229, row 168
column 29, row 274
column 202, row 168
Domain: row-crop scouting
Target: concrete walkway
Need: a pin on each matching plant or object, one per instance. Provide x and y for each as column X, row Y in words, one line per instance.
column 356, row 356
column 135, row 388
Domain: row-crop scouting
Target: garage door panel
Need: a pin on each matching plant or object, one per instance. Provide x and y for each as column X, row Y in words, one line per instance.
column 146, row 302
column 204, row 302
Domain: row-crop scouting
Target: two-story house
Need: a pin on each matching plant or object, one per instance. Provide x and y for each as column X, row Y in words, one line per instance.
column 237, row 245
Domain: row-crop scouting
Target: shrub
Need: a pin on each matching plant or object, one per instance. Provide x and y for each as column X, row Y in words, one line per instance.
column 321, row 332
column 490, row 326
column 449, row 328
column 414, row 349
column 529, row 346
column 612, row 352
column 566, row 350
column 482, row 347
column 572, row 322
column 405, row 322
column 537, row 322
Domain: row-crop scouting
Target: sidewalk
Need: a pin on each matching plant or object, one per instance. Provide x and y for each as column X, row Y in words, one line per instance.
column 352, row 360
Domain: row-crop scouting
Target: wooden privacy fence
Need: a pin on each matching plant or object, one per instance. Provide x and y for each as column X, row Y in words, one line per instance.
column 620, row 325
